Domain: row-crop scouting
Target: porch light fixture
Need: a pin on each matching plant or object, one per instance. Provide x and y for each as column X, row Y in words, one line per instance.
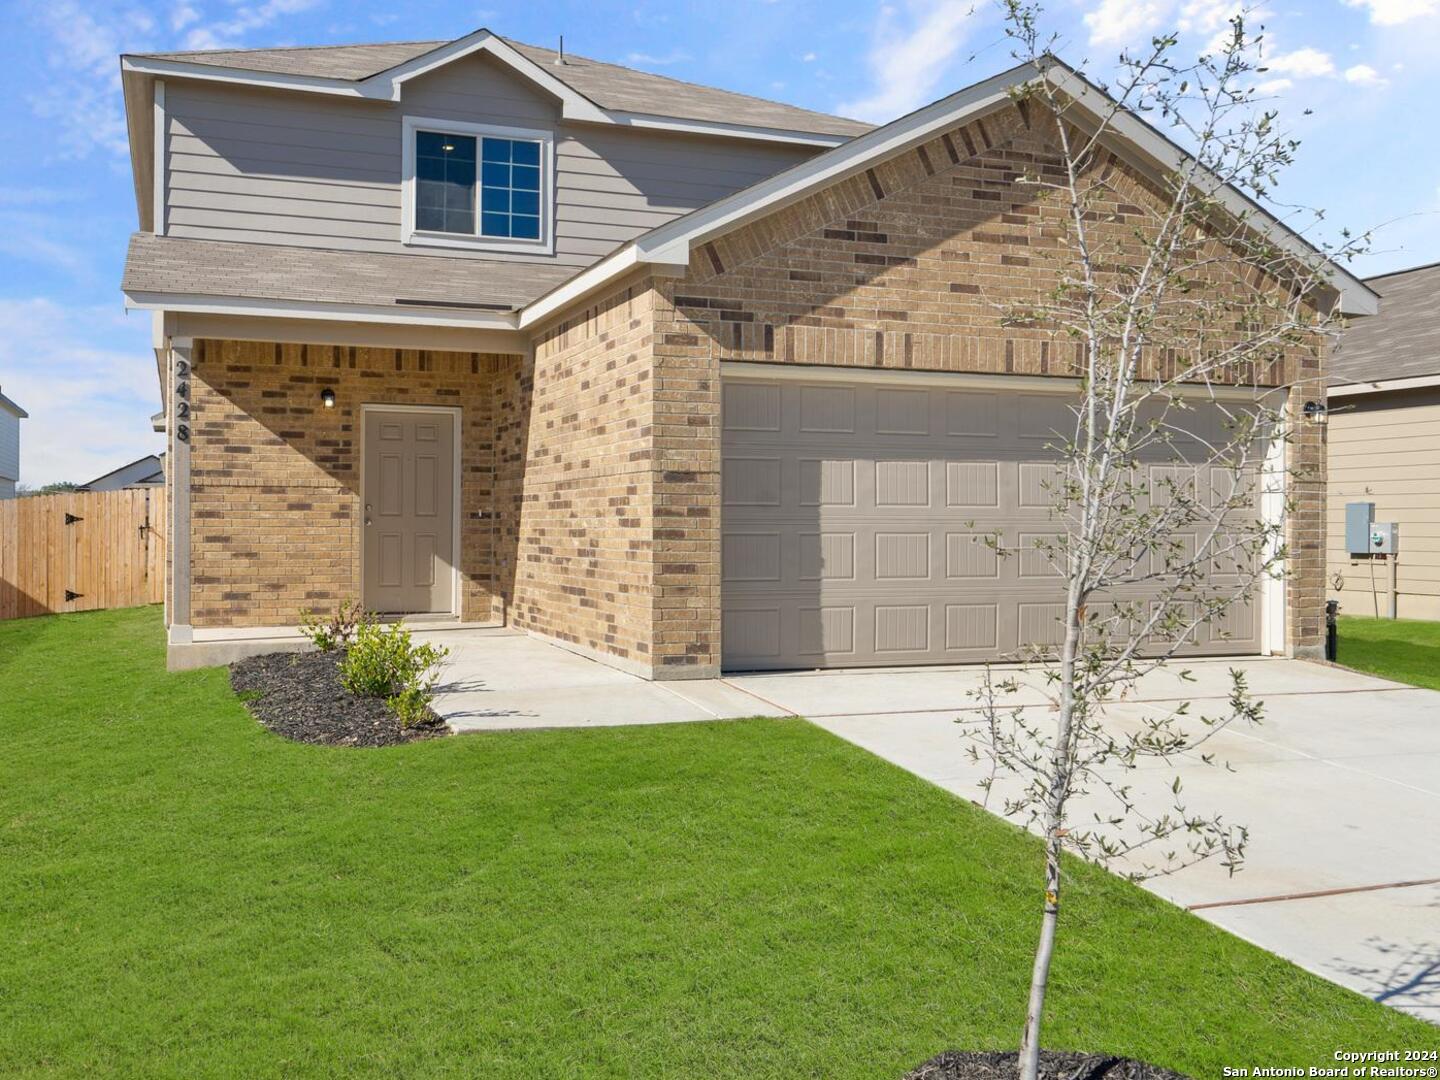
column 1315, row 412
column 327, row 398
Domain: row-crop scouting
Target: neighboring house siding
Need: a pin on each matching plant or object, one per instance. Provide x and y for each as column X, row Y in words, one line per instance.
column 7, row 489
column 275, row 509
column 1385, row 449
column 268, row 167
column 9, row 448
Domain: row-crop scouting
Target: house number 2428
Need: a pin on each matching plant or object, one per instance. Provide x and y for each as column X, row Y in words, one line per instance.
column 182, row 400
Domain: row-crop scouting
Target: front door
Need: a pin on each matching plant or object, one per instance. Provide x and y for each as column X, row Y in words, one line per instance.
column 409, row 504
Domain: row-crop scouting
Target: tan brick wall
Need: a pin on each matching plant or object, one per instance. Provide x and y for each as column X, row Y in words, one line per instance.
column 274, row 475
column 908, row 265
column 580, row 468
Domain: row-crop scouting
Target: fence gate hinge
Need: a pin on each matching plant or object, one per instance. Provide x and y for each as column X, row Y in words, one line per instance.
column 71, row 519
column 69, row 596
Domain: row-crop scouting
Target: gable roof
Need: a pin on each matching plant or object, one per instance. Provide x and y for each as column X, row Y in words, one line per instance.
column 13, row 409
column 1403, row 341
column 670, row 244
column 589, row 89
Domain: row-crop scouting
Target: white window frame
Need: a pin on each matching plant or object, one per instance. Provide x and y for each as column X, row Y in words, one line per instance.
column 414, row 237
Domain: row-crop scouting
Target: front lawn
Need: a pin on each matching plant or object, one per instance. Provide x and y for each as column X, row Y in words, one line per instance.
column 1406, row 650
column 184, row 894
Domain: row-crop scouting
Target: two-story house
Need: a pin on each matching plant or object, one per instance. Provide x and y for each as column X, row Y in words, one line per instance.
column 678, row 377
column 10, row 417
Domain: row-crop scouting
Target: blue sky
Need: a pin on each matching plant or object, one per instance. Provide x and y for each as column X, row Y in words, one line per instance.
column 85, row 371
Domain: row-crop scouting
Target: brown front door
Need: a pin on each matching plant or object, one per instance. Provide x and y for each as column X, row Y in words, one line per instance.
column 409, row 504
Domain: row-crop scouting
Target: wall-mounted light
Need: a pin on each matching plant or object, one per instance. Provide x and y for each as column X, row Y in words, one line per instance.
column 327, row 398
column 1315, row 412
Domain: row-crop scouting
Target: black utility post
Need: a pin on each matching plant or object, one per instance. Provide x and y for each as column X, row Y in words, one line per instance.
column 1332, row 633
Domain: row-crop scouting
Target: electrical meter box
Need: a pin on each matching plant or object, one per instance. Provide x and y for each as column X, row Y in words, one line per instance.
column 1358, row 518
column 1384, row 538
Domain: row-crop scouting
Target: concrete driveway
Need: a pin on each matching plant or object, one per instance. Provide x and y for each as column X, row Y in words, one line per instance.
column 1339, row 787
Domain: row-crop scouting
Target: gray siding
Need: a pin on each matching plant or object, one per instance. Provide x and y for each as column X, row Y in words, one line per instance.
column 9, row 448
column 262, row 166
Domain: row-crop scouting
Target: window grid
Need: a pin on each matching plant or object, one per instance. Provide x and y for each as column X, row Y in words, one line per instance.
column 502, row 187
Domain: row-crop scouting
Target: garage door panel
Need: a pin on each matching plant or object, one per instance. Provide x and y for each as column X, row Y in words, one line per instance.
column 870, row 525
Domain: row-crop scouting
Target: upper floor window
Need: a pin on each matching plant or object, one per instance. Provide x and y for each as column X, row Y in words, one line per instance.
column 475, row 186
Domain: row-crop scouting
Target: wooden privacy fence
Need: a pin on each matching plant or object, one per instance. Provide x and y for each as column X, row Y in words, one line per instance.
column 81, row 552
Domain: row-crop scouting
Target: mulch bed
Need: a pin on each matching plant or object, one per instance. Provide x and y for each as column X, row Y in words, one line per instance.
column 299, row 696
column 1054, row 1065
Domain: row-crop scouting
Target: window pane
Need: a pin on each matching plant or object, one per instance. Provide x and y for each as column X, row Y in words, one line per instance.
column 525, row 178
column 525, row 202
column 526, row 227
column 525, row 153
column 497, row 149
column 444, row 182
column 496, row 199
column 495, row 224
column 495, row 174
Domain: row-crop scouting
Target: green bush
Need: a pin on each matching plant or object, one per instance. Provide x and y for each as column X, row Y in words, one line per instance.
column 385, row 663
column 330, row 632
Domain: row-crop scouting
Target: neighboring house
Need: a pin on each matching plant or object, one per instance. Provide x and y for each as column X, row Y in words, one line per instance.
column 678, row 377
column 1385, row 445
column 10, row 417
column 145, row 472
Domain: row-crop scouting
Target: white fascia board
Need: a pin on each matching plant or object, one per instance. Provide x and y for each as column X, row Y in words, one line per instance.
column 669, row 244
column 387, row 86
column 662, row 243
column 1415, row 382
column 222, row 305
column 185, row 69
column 1356, row 298
column 574, row 105
column 606, row 270
column 653, row 122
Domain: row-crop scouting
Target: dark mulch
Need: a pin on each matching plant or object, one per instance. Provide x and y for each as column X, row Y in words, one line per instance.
column 1054, row 1065
column 299, row 696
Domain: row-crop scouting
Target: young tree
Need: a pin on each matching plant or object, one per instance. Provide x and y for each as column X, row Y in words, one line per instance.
column 1168, row 294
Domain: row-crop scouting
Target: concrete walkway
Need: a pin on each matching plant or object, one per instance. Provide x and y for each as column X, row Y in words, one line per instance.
column 1339, row 787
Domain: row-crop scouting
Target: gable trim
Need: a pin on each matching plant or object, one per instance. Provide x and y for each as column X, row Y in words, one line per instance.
column 670, row 245
column 387, row 85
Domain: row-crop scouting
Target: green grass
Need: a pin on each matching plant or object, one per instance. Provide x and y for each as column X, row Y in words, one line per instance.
column 183, row 894
column 1406, row 650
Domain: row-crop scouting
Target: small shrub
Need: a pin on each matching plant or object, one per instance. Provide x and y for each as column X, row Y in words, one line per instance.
column 385, row 663
column 330, row 632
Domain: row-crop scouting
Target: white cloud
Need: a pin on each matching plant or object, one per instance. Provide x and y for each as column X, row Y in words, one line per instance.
column 674, row 56
column 1306, row 63
column 1394, row 12
column 87, row 378
column 808, row 58
column 1364, row 75
column 1273, row 86
column 908, row 61
column 1124, row 22
column 182, row 15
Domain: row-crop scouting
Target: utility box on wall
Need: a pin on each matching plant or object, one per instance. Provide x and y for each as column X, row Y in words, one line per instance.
column 1359, row 516
column 1384, row 538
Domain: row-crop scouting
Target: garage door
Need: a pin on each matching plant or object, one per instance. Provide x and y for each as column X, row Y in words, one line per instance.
column 852, row 524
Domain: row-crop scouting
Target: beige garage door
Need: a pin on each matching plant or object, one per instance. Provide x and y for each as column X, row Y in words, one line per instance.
column 851, row 523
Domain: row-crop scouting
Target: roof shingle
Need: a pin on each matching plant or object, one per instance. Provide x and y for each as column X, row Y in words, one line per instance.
column 223, row 268
column 609, row 86
column 1403, row 340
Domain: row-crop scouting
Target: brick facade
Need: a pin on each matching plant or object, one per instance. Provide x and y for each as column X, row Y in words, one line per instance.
column 600, row 453
column 579, row 484
column 275, row 476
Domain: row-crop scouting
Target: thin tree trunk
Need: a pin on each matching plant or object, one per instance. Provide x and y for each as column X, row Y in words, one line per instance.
column 1040, row 973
